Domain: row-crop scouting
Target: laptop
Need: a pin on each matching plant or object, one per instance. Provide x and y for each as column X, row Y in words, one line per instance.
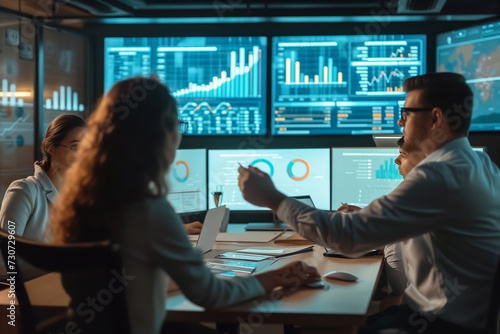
column 306, row 200
column 277, row 224
column 214, row 219
column 384, row 140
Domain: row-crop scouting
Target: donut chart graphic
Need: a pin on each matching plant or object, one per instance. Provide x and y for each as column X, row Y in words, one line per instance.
column 177, row 177
column 267, row 162
column 290, row 173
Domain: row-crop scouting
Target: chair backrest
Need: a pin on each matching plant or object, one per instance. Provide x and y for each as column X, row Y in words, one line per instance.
column 73, row 258
column 493, row 324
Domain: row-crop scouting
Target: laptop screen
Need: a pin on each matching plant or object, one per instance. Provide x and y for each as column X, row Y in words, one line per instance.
column 306, row 200
column 211, row 227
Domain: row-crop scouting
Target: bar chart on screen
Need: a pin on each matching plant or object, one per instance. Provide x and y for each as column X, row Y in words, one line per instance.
column 342, row 84
column 360, row 175
column 218, row 82
column 64, row 99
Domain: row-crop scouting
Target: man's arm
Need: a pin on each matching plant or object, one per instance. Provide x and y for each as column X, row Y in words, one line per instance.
column 415, row 207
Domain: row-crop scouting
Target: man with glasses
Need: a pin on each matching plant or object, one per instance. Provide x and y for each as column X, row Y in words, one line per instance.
column 446, row 212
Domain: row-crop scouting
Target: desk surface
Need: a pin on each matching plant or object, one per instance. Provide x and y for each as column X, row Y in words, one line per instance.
column 343, row 304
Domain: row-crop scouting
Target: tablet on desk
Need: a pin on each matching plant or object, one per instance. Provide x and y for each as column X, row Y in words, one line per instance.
column 333, row 253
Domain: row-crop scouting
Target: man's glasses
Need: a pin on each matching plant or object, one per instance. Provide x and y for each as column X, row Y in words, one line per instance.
column 405, row 111
column 73, row 147
column 183, row 126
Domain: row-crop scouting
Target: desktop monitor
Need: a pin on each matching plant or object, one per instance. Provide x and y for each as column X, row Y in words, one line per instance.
column 473, row 52
column 342, row 84
column 219, row 82
column 187, row 181
column 360, row 175
column 295, row 172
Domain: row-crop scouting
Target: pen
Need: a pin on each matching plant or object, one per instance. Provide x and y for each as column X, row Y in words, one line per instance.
column 346, row 209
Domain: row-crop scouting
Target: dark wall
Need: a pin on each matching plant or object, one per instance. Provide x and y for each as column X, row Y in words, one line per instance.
column 489, row 139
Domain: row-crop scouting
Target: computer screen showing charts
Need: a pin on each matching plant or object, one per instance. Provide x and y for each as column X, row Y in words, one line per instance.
column 474, row 53
column 219, row 82
column 295, row 172
column 187, row 181
column 360, row 175
column 342, row 84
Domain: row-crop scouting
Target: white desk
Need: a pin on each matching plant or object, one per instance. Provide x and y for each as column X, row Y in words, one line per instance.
column 342, row 307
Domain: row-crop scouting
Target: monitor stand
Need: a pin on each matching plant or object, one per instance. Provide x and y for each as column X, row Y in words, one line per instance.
column 267, row 227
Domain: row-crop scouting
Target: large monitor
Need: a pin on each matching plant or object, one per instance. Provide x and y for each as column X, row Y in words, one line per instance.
column 187, row 181
column 360, row 175
column 342, row 84
column 219, row 82
column 473, row 52
column 295, row 172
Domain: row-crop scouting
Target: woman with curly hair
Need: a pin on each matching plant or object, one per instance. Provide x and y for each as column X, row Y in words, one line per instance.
column 117, row 190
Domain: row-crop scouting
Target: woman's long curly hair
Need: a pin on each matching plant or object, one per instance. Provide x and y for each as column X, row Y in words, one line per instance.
column 123, row 158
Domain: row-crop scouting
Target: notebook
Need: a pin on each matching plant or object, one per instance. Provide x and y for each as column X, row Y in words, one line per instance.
column 214, row 219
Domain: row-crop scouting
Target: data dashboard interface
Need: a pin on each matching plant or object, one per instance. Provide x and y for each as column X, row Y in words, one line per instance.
column 342, row 84
column 360, row 175
column 474, row 52
column 219, row 82
column 295, row 172
column 187, row 181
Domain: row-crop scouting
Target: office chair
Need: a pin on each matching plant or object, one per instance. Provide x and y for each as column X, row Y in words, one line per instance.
column 70, row 260
column 493, row 323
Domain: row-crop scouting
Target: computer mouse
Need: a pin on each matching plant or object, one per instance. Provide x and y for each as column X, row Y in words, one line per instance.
column 340, row 275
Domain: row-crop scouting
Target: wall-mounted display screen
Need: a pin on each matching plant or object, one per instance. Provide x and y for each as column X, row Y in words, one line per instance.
column 295, row 172
column 65, row 76
column 187, row 181
column 219, row 82
column 360, row 175
column 475, row 53
column 342, row 84
column 17, row 114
